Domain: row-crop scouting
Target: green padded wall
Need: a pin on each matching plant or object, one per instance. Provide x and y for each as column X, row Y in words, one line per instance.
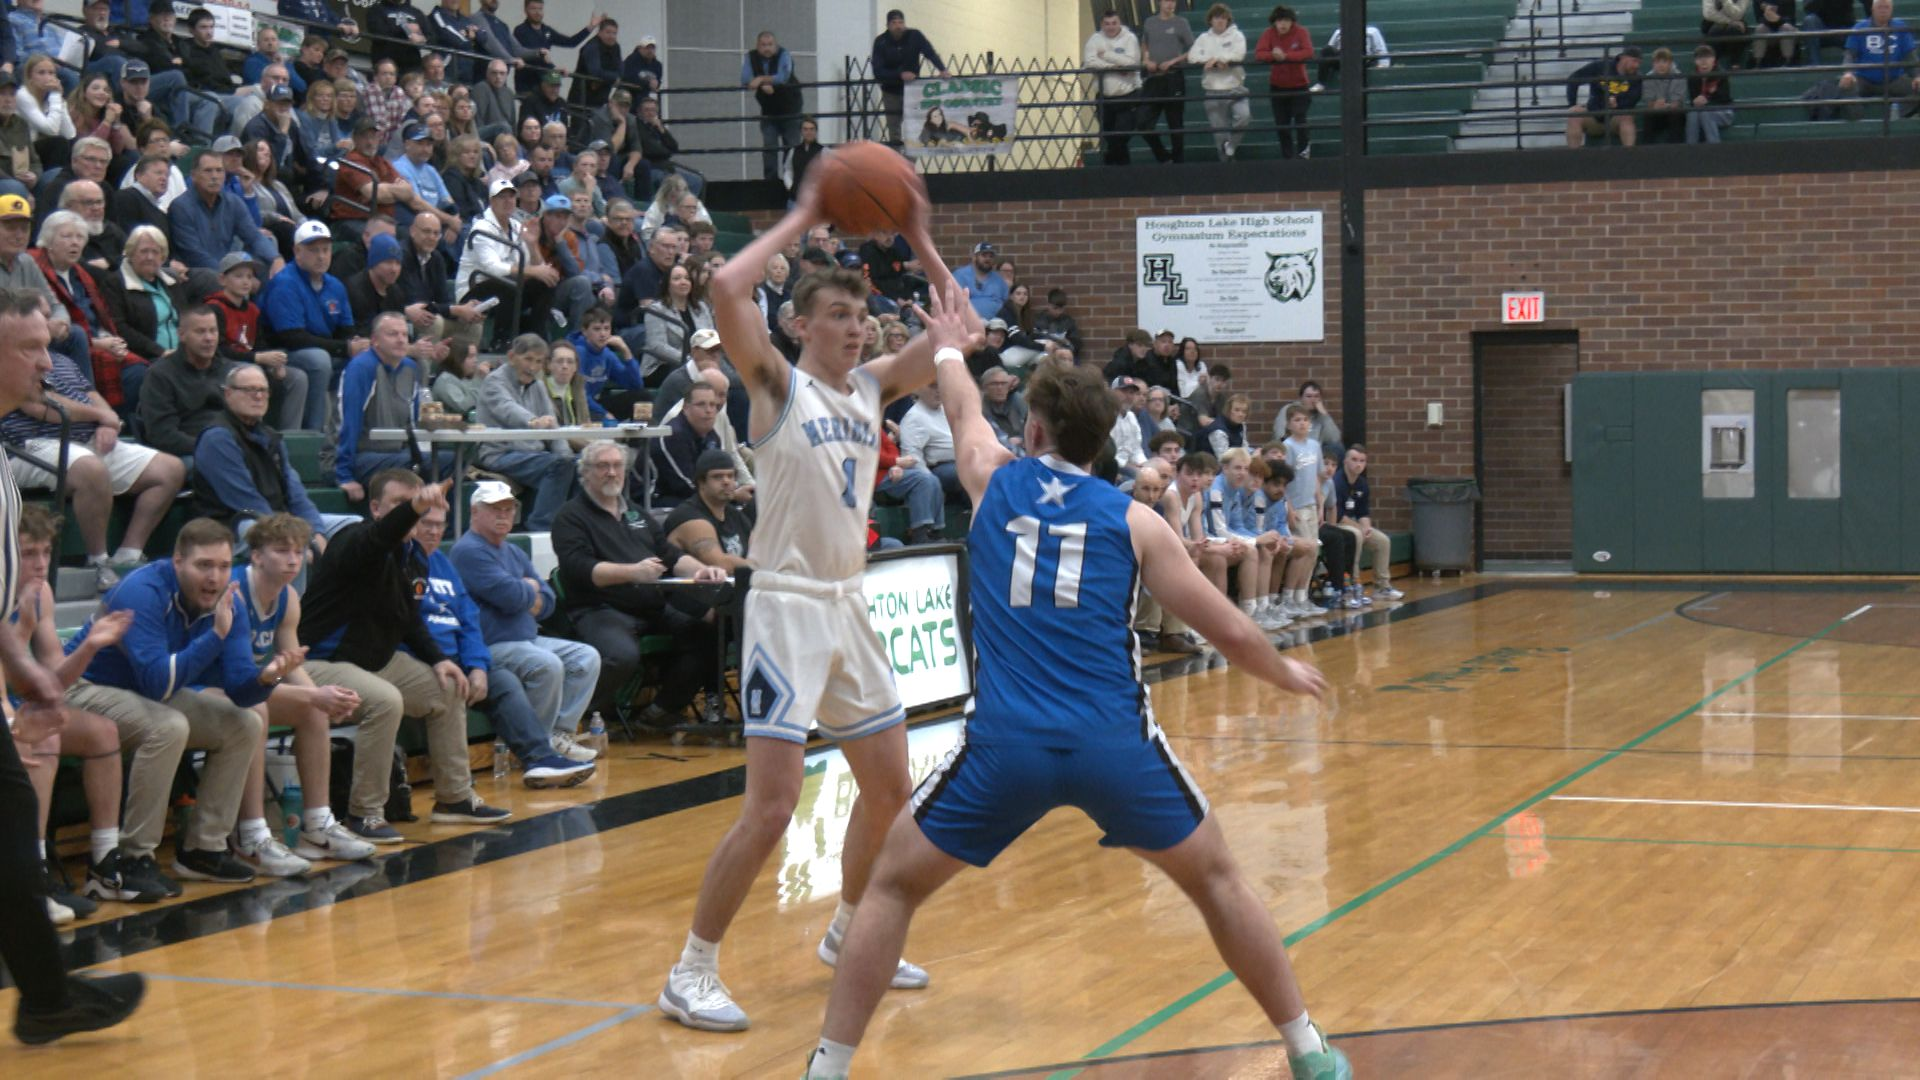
column 1666, row 476
column 1735, row 534
column 1871, row 498
column 1603, row 471
column 1909, row 451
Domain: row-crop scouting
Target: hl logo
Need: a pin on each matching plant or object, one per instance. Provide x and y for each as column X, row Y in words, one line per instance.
column 1159, row 272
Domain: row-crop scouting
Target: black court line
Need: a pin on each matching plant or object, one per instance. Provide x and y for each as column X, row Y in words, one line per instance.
column 1349, row 1036
column 144, row 930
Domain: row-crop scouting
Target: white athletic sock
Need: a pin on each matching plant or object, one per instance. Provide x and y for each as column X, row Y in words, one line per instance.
column 842, row 918
column 1300, row 1036
column 42, row 845
column 700, row 954
column 102, row 842
column 128, row 554
column 1300, row 596
column 1247, row 607
column 316, row 818
column 254, row 831
column 830, row 1059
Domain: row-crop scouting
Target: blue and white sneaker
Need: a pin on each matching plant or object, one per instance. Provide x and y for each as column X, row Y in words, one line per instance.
column 908, row 976
column 700, row 1000
column 554, row 771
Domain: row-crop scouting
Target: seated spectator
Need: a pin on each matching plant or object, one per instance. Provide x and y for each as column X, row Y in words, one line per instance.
column 1712, row 96
column 1160, row 413
column 903, row 480
column 1132, row 353
column 1337, row 547
column 507, row 162
column 1602, row 97
column 1160, row 630
column 497, row 261
column 658, row 146
column 205, row 64
column 559, row 676
column 298, row 391
column 19, row 156
column 185, row 391
column 611, row 554
column 1664, row 91
column 711, row 526
column 466, row 178
column 430, row 193
column 545, row 104
column 1773, row 44
column 567, row 390
column 70, row 285
column 1212, row 553
column 1005, row 408
column 615, row 125
column 18, row 269
column 457, row 386
column 428, row 287
column 105, row 240
column 671, row 321
column 1725, row 19
column 381, row 389
column 295, row 162
column 157, row 50
column 515, row 398
column 143, row 302
column 306, row 311
column 926, row 438
column 986, row 289
column 91, row 738
column 1353, row 512
column 1377, row 56
column 142, row 200
column 360, row 608
column 453, row 619
column 1229, row 429
column 774, row 288
column 100, row 467
column 366, row 183
column 310, row 63
column 803, row 154
column 374, row 291
column 1167, row 448
column 607, row 367
column 241, row 469
column 1233, row 519
column 689, row 435
column 325, row 136
column 146, row 685
column 706, row 356
column 646, row 281
column 351, row 258
column 1299, row 552
column 210, row 221
column 495, row 109
column 552, row 251
column 1321, row 427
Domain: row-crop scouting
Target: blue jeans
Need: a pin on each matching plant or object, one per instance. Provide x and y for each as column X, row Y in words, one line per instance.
column 1811, row 23
column 368, row 462
column 549, row 474
column 917, row 488
column 319, row 368
column 559, row 677
column 776, row 134
column 1705, row 125
column 949, row 476
column 513, row 719
column 695, row 182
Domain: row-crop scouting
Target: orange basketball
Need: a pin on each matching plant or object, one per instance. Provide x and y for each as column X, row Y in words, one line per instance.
column 865, row 187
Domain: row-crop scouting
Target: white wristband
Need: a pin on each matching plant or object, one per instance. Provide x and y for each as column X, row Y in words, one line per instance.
column 948, row 352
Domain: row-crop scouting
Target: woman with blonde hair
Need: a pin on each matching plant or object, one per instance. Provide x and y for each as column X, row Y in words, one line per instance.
column 44, row 108
column 567, row 388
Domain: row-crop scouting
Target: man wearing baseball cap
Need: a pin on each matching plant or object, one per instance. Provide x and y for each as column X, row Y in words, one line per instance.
column 642, row 67
column 17, row 268
column 307, row 312
column 986, row 289
column 415, row 166
column 209, row 221
column 294, row 158
column 1128, row 434
column 494, row 259
column 239, row 321
column 361, row 194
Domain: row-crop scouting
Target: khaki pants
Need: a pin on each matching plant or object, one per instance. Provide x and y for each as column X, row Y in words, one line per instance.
column 158, row 733
column 1382, row 548
column 1306, row 523
column 379, row 720
column 405, row 687
column 1150, row 618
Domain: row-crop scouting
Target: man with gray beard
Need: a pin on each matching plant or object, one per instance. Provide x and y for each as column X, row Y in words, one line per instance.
column 104, row 239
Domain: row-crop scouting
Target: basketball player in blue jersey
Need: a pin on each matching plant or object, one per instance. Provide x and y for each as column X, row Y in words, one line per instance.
column 808, row 652
column 1054, row 556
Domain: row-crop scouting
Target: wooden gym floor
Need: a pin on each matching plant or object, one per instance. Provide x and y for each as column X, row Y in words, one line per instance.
column 1540, row 828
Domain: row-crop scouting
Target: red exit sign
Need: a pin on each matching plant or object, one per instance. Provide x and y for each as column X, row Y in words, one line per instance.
column 1523, row 307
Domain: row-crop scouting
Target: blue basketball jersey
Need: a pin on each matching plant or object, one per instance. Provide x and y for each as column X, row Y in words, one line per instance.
column 1053, row 580
column 265, row 627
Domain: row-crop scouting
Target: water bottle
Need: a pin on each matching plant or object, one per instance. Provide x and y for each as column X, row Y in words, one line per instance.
column 597, row 734
column 293, row 806
column 501, row 763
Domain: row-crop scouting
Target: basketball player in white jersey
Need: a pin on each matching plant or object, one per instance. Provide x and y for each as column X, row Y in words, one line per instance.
column 808, row 653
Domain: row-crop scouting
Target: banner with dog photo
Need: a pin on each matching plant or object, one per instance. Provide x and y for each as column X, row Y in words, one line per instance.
column 972, row 116
column 1232, row 277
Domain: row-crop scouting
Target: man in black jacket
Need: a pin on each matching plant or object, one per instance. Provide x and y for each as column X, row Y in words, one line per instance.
column 657, row 147
column 204, row 65
column 359, row 609
column 428, row 287
column 611, row 556
column 896, row 62
column 394, row 26
column 688, row 436
column 241, row 472
column 1602, row 97
column 768, row 72
column 183, row 392
column 138, row 203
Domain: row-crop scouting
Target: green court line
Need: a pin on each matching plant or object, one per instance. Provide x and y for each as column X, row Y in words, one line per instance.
column 1732, row 843
column 1224, row 978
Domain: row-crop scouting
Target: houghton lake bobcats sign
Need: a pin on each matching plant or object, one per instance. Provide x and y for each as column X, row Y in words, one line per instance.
column 1232, row 277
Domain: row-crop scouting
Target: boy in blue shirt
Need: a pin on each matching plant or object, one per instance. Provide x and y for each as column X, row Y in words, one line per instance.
column 606, row 366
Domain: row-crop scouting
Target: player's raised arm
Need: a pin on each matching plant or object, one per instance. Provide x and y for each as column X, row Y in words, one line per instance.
column 743, row 330
column 912, row 367
column 1178, row 585
column 976, row 451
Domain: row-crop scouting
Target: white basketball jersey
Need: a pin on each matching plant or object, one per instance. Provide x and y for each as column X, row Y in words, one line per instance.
column 813, row 478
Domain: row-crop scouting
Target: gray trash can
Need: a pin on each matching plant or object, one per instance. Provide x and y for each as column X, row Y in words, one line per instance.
column 1443, row 523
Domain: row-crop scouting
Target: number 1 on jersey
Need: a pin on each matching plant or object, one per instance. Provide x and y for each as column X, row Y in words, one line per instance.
column 1026, row 561
column 848, row 466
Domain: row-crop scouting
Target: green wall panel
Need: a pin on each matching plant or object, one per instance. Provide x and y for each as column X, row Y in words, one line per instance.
column 1871, row 474
column 1603, row 471
column 1909, row 446
column 1666, row 472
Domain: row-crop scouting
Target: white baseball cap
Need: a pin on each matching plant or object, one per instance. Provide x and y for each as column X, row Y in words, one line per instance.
column 311, row 230
column 488, row 492
column 705, row 338
column 499, row 187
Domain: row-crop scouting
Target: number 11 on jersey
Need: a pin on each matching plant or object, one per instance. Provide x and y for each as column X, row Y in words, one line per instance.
column 1029, row 551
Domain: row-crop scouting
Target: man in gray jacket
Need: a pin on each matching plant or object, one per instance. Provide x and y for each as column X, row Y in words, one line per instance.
column 515, row 397
column 495, row 109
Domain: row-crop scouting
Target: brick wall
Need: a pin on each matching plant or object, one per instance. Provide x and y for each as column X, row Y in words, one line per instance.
column 1762, row 271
